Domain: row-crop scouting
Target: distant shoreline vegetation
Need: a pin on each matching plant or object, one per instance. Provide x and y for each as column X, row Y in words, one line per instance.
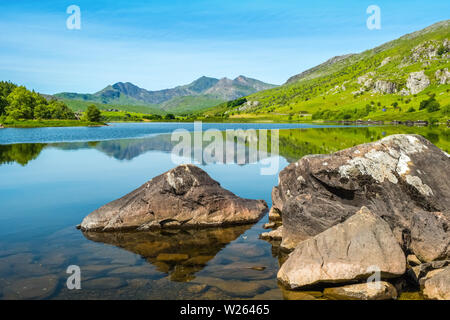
column 22, row 108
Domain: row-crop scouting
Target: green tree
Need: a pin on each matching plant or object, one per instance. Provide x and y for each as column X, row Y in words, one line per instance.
column 21, row 103
column 93, row 114
column 169, row 116
column 433, row 106
column 59, row 110
column 5, row 89
column 41, row 110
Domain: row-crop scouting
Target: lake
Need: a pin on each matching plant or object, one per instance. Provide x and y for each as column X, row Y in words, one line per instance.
column 51, row 178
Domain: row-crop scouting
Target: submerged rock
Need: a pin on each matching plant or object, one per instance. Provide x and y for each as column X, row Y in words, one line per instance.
column 185, row 196
column 363, row 291
column 31, row 288
column 349, row 251
column 269, row 225
column 273, row 235
column 404, row 179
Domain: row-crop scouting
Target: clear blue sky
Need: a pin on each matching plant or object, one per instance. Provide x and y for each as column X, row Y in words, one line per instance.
column 160, row 44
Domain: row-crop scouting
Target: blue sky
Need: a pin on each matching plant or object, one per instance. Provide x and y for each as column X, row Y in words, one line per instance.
column 161, row 44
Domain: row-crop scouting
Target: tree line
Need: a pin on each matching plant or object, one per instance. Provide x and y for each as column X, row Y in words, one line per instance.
column 19, row 103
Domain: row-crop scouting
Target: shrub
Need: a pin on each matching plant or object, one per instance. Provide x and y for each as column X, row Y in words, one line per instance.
column 92, row 114
column 430, row 104
column 433, row 106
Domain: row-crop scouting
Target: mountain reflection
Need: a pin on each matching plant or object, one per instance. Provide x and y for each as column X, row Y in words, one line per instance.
column 179, row 253
column 293, row 143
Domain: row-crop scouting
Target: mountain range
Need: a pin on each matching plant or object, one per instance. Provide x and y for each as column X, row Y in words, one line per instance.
column 200, row 94
column 404, row 79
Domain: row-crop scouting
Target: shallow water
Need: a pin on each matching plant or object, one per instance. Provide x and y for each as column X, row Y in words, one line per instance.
column 47, row 188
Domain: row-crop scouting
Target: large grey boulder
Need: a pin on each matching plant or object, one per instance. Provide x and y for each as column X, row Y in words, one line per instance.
column 347, row 252
column 185, row 196
column 404, row 179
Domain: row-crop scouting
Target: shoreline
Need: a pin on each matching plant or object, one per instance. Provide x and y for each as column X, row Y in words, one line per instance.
column 30, row 124
column 77, row 123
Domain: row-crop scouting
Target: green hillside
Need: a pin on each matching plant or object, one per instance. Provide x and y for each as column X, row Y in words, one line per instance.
column 81, row 106
column 189, row 104
column 405, row 79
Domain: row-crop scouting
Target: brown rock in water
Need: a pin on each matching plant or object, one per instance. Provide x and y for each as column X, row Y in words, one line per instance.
column 404, row 179
column 185, row 196
column 421, row 272
column 269, row 225
column 344, row 253
column 437, row 286
column 380, row 290
column 272, row 235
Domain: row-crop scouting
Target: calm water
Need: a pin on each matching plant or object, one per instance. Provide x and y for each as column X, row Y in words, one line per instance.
column 125, row 130
column 48, row 184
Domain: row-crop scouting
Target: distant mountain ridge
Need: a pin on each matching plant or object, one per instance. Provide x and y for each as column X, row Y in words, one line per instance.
column 404, row 79
column 201, row 93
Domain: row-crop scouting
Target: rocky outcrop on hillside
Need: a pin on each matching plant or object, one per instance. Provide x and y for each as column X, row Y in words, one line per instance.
column 366, row 81
column 185, row 196
column 442, row 76
column 402, row 178
column 425, row 51
column 385, row 87
column 249, row 105
column 417, row 82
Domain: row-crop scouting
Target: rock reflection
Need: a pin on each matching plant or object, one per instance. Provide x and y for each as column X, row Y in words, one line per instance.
column 178, row 253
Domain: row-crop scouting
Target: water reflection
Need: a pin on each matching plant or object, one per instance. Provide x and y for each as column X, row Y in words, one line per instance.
column 21, row 153
column 178, row 253
column 293, row 143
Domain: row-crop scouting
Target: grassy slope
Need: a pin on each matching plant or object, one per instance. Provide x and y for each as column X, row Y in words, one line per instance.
column 189, row 104
column 80, row 105
column 314, row 92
